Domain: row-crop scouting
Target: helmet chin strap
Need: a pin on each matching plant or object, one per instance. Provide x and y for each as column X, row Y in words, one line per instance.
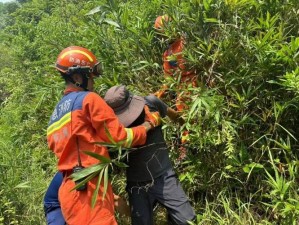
column 83, row 85
column 85, row 82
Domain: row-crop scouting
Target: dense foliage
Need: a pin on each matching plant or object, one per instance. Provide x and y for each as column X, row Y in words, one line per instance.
column 242, row 164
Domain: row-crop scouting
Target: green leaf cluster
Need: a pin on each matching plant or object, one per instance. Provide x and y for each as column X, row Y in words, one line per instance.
column 242, row 119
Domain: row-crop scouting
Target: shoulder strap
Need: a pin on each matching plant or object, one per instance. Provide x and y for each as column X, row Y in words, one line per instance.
column 77, row 139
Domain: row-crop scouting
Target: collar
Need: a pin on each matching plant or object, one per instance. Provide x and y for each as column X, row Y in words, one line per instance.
column 68, row 90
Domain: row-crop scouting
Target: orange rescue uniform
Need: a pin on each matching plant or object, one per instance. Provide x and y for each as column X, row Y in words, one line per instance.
column 78, row 120
column 174, row 65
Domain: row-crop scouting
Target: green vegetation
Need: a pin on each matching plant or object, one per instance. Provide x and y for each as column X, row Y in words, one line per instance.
column 242, row 165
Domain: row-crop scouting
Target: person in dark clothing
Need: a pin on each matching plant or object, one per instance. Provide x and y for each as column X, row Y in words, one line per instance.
column 52, row 208
column 150, row 176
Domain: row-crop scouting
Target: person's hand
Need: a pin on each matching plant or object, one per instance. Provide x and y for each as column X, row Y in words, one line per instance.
column 153, row 118
column 121, row 205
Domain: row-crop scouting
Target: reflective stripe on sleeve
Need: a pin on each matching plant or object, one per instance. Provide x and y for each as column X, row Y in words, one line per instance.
column 58, row 124
column 130, row 136
column 157, row 118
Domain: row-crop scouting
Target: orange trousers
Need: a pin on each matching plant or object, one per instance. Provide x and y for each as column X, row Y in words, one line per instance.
column 76, row 205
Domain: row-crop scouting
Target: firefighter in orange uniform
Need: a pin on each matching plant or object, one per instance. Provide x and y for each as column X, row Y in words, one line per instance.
column 174, row 63
column 174, row 66
column 78, row 120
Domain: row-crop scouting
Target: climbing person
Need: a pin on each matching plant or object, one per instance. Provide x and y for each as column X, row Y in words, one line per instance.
column 79, row 119
column 174, row 66
column 150, row 175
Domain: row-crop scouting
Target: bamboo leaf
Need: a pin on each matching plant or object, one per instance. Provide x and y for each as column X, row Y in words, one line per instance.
column 93, row 11
column 196, row 106
column 106, row 144
column 120, row 164
column 211, row 20
column 111, row 22
column 87, row 171
column 103, row 159
column 206, row 4
column 96, row 191
column 106, row 176
column 109, row 135
column 23, row 185
column 87, row 179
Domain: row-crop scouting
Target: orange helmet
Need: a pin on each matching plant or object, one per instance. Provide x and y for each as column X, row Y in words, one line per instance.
column 75, row 58
column 160, row 22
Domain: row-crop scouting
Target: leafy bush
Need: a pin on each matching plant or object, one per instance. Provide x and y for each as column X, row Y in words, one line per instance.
column 242, row 159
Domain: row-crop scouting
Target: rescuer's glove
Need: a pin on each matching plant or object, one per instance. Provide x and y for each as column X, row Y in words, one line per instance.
column 153, row 118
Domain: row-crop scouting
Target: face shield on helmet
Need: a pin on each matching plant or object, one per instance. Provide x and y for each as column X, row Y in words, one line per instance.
column 96, row 70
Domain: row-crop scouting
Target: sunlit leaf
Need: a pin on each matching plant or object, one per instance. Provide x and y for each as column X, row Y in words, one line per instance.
column 87, row 171
column 96, row 192
column 106, row 177
column 23, row 185
column 95, row 10
column 111, row 22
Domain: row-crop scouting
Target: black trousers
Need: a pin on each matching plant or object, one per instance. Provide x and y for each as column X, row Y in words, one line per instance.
column 166, row 190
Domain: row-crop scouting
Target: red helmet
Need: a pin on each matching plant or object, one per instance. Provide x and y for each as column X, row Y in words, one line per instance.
column 75, row 57
column 160, row 22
